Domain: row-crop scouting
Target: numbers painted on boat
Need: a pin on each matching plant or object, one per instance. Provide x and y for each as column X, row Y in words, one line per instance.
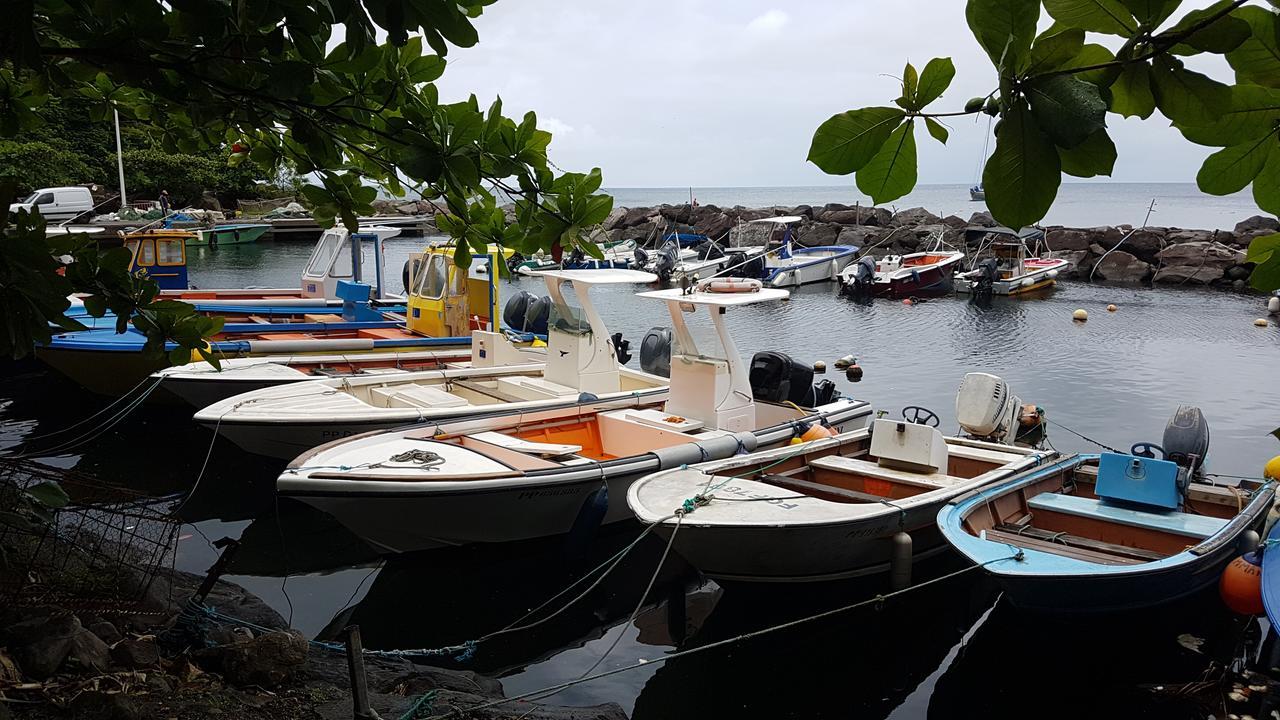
column 745, row 494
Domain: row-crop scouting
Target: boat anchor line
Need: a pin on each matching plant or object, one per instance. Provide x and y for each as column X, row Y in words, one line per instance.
column 113, row 420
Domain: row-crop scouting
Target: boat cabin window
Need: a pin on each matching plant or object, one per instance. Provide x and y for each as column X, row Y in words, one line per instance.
column 146, row 255
column 431, row 278
column 567, row 316
column 171, row 251
column 332, row 257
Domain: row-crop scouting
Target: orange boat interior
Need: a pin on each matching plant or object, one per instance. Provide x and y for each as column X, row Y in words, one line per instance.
column 926, row 259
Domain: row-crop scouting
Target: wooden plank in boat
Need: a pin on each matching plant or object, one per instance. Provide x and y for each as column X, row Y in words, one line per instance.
column 1030, row 543
column 808, row 487
column 1083, row 543
column 840, row 463
column 1218, row 494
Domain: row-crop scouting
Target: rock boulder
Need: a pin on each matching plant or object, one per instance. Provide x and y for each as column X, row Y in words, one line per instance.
column 817, row 234
column 267, row 660
column 40, row 645
column 1257, row 225
column 982, row 219
column 915, row 216
column 1120, row 266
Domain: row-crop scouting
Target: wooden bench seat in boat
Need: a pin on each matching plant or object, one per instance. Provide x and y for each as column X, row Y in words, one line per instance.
column 814, row 489
column 1172, row 521
column 312, row 318
column 381, row 333
column 840, row 463
column 982, row 454
column 410, row 395
column 526, row 446
column 1061, row 539
column 1031, row 543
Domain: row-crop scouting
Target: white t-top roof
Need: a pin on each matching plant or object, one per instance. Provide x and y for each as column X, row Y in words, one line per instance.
column 718, row 299
column 604, row 276
column 781, row 219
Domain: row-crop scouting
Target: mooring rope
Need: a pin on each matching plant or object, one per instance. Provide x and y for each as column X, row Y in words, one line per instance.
column 97, row 431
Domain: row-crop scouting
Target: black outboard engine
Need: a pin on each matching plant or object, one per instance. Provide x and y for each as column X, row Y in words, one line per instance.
column 710, row 251
column 775, row 377
column 655, row 352
column 526, row 312
column 1186, row 439
column 743, row 268
column 576, row 258
column 514, row 262
column 988, row 273
column 621, row 348
column 665, row 262
column 863, row 276
column 642, row 258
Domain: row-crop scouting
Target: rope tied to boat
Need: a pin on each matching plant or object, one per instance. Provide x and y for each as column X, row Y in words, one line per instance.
column 425, row 458
column 693, row 503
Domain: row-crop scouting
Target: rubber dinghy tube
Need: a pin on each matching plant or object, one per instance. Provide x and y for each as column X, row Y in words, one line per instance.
column 710, row 449
column 731, row 285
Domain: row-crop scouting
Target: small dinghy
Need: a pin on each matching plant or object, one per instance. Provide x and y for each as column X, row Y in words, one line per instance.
column 1112, row 531
column 922, row 274
column 581, row 361
column 794, row 266
column 522, row 475
column 1004, row 263
column 837, row 507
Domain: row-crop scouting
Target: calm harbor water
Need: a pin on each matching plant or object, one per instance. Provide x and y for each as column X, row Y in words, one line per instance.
column 950, row 650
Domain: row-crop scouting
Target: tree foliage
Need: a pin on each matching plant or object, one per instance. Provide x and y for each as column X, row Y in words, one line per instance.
column 1054, row 90
column 265, row 80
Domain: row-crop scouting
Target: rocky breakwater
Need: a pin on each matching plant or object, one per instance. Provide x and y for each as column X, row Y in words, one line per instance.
column 1162, row 255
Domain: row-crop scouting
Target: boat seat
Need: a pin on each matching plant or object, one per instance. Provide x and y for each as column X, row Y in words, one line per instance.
column 526, row 446
column 983, row 454
column 1170, row 521
column 314, row 318
column 382, row 333
column 840, row 463
column 410, row 395
column 285, row 336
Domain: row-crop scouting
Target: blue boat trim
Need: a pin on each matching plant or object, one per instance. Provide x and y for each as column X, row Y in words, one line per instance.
column 839, row 250
column 1271, row 575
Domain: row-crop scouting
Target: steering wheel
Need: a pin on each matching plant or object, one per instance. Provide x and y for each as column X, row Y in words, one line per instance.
column 1146, row 450
column 920, row 415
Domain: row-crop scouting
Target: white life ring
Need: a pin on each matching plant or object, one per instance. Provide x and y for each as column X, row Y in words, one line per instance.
column 731, row 285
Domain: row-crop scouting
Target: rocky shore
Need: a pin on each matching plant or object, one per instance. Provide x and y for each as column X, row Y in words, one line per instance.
column 101, row 666
column 1151, row 254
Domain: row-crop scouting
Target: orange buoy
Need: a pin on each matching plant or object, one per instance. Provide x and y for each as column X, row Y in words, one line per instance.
column 816, row 431
column 907, row 301
column 1241, row 585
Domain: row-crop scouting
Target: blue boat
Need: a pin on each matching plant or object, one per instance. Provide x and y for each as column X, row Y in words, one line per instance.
column 1271, row 576
column 1110, row 531
column 793, row 266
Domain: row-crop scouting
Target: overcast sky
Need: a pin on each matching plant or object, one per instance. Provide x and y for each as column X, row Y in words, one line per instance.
column 700, row 93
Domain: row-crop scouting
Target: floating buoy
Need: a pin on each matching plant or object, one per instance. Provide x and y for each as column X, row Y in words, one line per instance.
column 854, row 373
column 1260, row 322
column 1272, row 468
column 845, row 362
column 907, row 301
column 1273, row 304
column 1241, row 585
column 819, row 367
column 796, row 441
column 1080, row 315
column 1112, row 308
column 816, row 431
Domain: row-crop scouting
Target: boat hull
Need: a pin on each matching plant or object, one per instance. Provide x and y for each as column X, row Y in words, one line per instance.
column 228, row 235
column 1038, row 279
column 934, row 281
column 809, row 265
column 102, row 373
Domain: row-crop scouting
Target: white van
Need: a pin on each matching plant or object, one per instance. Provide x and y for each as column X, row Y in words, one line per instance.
column 60, row 203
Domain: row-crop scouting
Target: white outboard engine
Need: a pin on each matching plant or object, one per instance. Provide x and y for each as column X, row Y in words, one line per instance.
column 987, row 409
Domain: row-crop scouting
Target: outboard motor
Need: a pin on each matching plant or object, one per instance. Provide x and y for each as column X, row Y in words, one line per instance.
column 514, row 262
column 642, row 258
column 775, row 377
column 988, row 274
column 862, row 276
column 621, row 348
column 710, row 251
column 753, row 268
column 1186, row 439
column 665, row 262
column 576, row 259
column 655, row 352
column 988, row 410
column 526, row 312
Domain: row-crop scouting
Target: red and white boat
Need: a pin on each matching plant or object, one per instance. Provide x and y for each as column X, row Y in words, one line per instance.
column 921, row 274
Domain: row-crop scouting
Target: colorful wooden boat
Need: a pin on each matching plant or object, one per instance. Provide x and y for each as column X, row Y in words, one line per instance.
column 921, row 274
column 523, row 475
column 1094, row 533
column 1005, row 265
column 824, row 510
column 283, row 422
column 231, row 234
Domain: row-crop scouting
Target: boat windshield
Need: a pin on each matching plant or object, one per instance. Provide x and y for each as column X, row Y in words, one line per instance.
column 702, row 342
column 568, row 317
column 325, row 253
column 432, row 278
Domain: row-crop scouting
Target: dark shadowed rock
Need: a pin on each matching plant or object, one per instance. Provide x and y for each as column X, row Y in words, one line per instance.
column 106, row 631
column 915, row 216
column 40, row 645
column 1075, row 257
column 715, row 224
column 88, row 652
column 983, row 219
column 96, row 705
column 816, row 234
column 267, row 660
column 1144, row 243
column 616, row 216
column 860, row 235
column 1257, row 224
column 1120, row 266
column 136, row 653
column 1068, row 239
column 1238, row 272
column 955, row 222
column 804, row 211
column 636, row 216
column 857, row 216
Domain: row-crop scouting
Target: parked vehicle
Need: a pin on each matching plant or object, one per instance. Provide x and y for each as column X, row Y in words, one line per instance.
column 57, row 203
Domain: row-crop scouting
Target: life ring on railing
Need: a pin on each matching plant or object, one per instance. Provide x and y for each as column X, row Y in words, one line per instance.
column 731, row 285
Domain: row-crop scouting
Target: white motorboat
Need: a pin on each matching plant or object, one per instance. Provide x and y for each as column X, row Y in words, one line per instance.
column 834, row 507
column 530, row 474
column 794, row 266
column 580, row 362
column 1005, row 265
column 711, row 259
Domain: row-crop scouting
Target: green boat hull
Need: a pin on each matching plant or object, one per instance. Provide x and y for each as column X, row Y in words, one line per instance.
column 230, row 235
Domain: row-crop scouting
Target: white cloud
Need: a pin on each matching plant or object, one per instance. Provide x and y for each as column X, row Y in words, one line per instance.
column 769, row 23
column 555, row 126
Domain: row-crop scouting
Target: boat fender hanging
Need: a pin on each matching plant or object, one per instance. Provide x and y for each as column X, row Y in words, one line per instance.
column 900, row 561
column 1241, row 585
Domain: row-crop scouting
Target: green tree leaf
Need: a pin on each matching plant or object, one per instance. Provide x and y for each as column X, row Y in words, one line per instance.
column 1101, row 16
column 848, row 141
column 1095, row 156
column 1232, row 168
column 49, row 494
column 1264, row 251
column 1022, row 175
column 891, row 173
column 934, row 80
column 1090, row 55
column 910, row 83
column 1055, row 47
column 1266, row 186
column 1185, row 96
column 1004, row 28
column 1131, row 92
column 1257, row 59
column 1253, row 112
column 936, row 129
column 1151, row 12
column 1221, row 36
column 1067, row 109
